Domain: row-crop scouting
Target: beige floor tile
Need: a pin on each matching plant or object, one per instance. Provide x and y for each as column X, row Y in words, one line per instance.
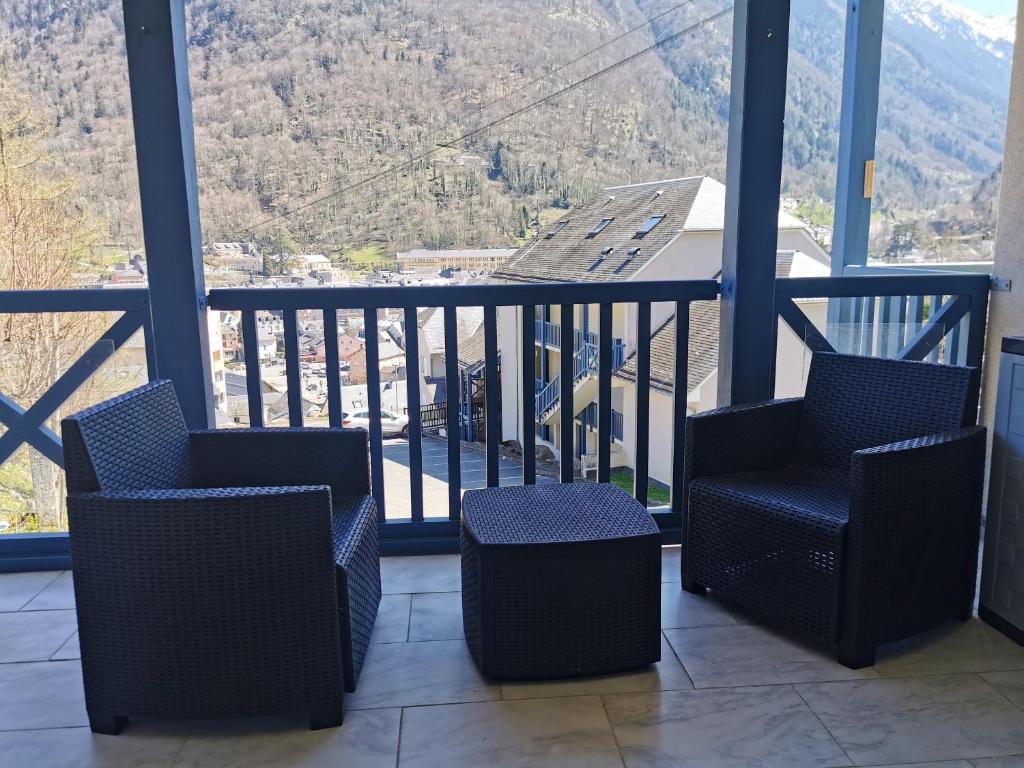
column 424, row 573
column 1010, row 684
column 749, row 655
column 34, row 635
column 45, row 694
column 392, row 625
column 437, row 616
column 367, row 739
column 560, row 733
column 69, row 650
column 16, row 589
column 58, row 594
column 667, row 675
column 680, row 609
column 141, row 745
column 410, row 674
column 971, row 646
column 917, row 719
column 670, row 565
column 768, row 727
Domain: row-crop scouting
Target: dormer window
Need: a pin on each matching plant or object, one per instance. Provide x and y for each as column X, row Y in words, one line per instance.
column 650, row 224
column 600, row 259
column 631, row 254
column 599, row 227
column 556, row 229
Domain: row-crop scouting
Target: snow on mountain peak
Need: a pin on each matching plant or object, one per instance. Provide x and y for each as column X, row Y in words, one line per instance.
column 941, row 16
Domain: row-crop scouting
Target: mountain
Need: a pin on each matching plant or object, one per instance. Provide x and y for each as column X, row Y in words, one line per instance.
column 301, row 100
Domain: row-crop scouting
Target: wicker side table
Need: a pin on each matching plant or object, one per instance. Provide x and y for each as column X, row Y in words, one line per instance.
column 559, row 581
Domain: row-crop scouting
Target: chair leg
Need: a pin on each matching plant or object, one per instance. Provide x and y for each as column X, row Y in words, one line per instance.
column 855, row 657
column 103, row 722
column 327, row 716
column 693, row 587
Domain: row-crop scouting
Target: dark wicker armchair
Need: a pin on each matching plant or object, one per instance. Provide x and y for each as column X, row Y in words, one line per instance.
column 223, row 573
column 851, row 514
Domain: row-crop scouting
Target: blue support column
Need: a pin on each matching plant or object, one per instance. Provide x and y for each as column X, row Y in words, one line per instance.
column 858, row 124
column 164, row 145
column 753, row 180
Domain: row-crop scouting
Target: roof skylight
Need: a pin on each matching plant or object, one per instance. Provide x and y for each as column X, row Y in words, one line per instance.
column 556, row 229
column 599, row 227
column 650, row 224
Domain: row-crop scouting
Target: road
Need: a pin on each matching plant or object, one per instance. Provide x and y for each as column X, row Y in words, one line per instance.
column 435, row 475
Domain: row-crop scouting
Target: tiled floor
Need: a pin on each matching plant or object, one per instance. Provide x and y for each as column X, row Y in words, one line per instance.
column 726, row 693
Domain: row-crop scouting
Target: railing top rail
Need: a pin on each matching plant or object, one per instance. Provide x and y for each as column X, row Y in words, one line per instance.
column 73, row 300
column 880, row 285
column 496, row 295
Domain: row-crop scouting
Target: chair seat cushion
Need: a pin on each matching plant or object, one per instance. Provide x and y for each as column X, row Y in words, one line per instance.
column 772, row 541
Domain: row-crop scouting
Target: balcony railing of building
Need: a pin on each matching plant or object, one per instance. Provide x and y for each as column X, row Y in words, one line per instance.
column 584, row 363
column 946, row 321
column 551, row 334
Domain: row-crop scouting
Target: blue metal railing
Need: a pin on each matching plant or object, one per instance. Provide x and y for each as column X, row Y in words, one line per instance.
column 598, row 358
column 584, row 363
column 551, row 333
column 960, row 308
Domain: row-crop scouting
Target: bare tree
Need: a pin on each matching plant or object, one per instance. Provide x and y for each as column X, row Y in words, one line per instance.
column 45, row 238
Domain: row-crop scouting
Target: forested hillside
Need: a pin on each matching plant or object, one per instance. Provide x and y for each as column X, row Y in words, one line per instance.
column 298, row 100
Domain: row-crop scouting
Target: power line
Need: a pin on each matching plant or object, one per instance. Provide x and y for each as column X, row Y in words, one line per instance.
column 506, row 96
column 515, row 113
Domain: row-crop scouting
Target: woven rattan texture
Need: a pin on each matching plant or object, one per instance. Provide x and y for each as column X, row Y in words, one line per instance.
column 282, row 456
column 206, row 603
column 358, row 563
column 217, row 601
column 536, row 514
column 137, row 440
column 536, row 606
column 859, row 402
column 852, row 516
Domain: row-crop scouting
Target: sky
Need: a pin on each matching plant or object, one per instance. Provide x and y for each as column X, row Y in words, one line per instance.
column 991, row 7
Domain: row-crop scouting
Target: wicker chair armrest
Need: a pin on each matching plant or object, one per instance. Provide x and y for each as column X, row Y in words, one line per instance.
column 913, row 530
column 742, row 438
column 290, row 456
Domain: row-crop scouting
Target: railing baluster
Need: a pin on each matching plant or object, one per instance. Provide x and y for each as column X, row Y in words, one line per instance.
column 936, row 305
column 567, row 358
column 373, row 404
column 453, row 387
column 412, row 399
column 334, row 410
column 604, row 395
column 529, row 362
column 643, row 401
column 680, row 394
column 251, row 353
column 493, row 421
column 291, row 368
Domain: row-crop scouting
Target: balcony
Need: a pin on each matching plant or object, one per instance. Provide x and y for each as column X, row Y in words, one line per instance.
column 727, row 691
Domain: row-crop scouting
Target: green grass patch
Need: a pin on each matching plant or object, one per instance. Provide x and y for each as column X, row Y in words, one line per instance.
column 656, row 494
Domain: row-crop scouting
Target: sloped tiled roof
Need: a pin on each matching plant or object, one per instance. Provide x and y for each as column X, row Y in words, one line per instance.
column 569, row 255
column 702, row 357
column 702, row 352
column 471, row 351
column 431, row 322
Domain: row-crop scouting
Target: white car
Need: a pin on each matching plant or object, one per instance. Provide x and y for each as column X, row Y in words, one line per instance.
column 391, row 423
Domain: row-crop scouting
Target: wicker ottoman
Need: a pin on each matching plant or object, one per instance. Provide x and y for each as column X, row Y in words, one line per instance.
column 559, row 581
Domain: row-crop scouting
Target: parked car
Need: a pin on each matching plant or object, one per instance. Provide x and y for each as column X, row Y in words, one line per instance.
column 391, row 423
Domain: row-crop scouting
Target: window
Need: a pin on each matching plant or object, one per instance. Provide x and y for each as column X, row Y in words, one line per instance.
column 606, row 251
column 630, row 255
column 599, row 228
column 558, row 228
column 650, row 224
